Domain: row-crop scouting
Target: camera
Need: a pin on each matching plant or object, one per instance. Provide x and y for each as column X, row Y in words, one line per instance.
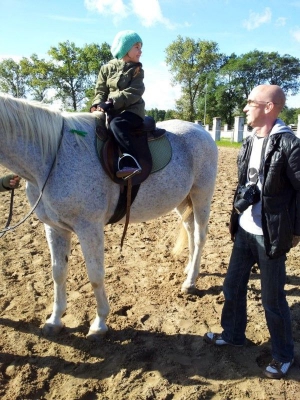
column 246, row 196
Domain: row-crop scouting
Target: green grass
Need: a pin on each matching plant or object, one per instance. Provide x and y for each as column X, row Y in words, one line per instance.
column 224, row 142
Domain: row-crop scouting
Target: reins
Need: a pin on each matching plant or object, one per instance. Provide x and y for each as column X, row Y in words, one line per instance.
column 10, row 228
column 10, row 213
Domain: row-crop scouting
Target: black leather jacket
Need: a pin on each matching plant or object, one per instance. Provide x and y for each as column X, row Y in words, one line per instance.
column 280, row 194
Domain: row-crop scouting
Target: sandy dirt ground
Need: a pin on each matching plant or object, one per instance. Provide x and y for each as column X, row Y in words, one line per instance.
column 154, row 348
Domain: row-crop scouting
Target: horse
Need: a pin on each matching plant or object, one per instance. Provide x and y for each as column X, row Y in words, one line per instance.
column 62, row 169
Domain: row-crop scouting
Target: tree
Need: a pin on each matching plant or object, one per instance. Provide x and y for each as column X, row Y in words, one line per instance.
column 245, row 71
column 75, row 70
column 290, row 115
column 38, row 76
column 228, row 96
column 283, row 71
column 158, row 115
column 206, row 101
column 190, row 61
column 12, row 79
column 239, row 75
column 170, row 114
column 257, row 67
column 93, row 57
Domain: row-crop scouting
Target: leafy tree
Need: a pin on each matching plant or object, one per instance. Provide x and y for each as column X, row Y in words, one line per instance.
column 12, row 78
column 75, row 70
column 245, row 71
column 207, row 101
column 283, row 71
column 38, row 76
column 190, row 61
column 93, row 57
column 170, row 114
column 183, row 108
column 160, row 115
column 239, row 75
column 257, row 67
column 290, row 115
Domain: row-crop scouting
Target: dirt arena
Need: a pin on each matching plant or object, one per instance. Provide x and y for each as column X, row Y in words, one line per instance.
column 154, row 348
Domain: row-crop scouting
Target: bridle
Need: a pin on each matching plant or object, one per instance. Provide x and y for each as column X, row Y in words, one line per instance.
column 11, row 228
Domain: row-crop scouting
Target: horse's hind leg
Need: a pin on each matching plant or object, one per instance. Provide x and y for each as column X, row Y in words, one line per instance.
column 59, row 242
column 185, row 210
column 196, row 226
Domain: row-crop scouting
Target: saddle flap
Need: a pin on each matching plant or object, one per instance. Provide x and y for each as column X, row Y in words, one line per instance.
column 110, row 155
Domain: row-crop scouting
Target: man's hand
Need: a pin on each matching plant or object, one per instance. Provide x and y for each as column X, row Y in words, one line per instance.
column 10, row 181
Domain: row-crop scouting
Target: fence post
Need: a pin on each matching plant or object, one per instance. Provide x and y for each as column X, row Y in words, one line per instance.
column 238, row 131
column 216, row 129
column 298, row 127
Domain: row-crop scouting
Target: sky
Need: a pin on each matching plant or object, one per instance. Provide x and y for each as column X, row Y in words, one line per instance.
column 33, row 26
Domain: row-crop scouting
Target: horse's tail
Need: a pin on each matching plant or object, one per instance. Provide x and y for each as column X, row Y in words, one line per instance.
column 182, row 238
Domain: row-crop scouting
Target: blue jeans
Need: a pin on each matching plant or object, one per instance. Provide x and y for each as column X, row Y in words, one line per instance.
column 249, row 249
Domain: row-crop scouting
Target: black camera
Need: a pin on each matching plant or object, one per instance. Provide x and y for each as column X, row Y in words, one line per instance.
column 246, row 196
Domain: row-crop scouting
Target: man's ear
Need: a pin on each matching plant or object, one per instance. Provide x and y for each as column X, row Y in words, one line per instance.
column 269, row 107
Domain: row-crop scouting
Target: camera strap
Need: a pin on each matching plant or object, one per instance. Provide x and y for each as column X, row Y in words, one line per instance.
column 262, row 156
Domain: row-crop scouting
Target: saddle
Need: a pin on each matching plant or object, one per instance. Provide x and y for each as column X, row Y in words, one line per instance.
column 109, row 154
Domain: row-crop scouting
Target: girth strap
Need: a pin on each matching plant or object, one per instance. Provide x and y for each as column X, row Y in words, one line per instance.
column 120, row 210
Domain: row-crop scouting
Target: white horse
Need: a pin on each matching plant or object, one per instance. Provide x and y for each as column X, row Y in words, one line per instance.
column 79, row 197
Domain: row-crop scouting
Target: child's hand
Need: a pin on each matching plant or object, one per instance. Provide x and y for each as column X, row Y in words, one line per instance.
column 105, row 106
column 94, row 108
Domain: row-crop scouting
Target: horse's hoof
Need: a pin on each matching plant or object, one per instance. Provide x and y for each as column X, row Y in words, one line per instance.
column 94, row 336
column 192, row 290
column 51, row 330
column 189, row 290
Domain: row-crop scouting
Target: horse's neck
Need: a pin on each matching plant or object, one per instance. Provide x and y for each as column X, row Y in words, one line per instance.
column 23, row 159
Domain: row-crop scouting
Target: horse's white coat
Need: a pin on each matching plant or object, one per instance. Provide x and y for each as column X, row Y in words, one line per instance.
column 79, row 197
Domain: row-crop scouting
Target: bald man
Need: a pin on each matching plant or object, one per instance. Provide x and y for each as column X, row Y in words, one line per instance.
column 264, row 225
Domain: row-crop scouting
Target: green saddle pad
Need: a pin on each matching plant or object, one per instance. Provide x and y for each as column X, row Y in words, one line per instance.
column 161, row 152
column 160, row 149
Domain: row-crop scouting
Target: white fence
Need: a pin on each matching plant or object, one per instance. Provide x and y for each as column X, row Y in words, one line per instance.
column 239, row 132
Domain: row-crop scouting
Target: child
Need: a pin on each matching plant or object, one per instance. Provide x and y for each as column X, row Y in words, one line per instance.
column 9, row 182
column 119, row 91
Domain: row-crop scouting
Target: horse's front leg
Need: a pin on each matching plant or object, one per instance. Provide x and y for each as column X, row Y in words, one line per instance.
column 92, row 244
column 59, row 242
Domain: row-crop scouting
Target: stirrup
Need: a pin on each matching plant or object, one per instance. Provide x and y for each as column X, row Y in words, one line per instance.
column 127, row 172
column 133, row 158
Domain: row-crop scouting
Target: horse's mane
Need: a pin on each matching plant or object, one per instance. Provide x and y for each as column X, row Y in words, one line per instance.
column 37, row 120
